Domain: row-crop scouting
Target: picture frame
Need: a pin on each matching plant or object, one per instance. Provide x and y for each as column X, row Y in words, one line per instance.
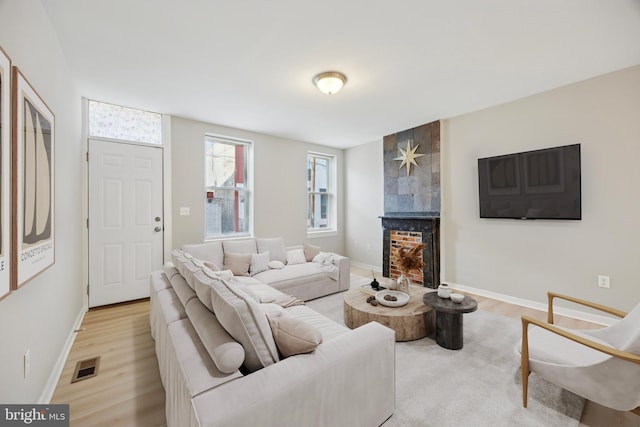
column 33, row 182
column 5, row 174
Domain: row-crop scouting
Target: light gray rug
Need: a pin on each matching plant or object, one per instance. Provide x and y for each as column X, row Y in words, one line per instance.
column 478, row 385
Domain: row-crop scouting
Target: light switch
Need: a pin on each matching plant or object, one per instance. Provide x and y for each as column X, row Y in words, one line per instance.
column 184, row 211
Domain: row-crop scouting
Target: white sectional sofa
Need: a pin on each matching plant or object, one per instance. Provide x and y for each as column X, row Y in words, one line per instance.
column 220, row 353
column 305, row 280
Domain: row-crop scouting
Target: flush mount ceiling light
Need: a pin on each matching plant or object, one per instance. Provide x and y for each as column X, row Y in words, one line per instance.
column 330, row 82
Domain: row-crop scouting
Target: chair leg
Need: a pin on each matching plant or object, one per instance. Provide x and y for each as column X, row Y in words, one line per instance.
column 524, row 363
column 525, row 381
column 636, row 411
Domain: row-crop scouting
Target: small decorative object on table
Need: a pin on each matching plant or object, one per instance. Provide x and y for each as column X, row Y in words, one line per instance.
column 409, row 260
column 373, row 287
column 457, row 298
column 374, row 284
column 444, row 291
column 392, row 298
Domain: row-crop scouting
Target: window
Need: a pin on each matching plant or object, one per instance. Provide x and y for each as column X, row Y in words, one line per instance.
column 123, row 123
column 227, row 187
column 320, row 186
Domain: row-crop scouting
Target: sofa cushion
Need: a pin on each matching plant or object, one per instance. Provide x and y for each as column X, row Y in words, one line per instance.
column 170, row 270
column 175, row 253
column 182, row 289
column 295, row 256
column 189, row 364
column 292, row 335
column 327, row 327
column 291, row 272
column 202, row 288
column 225, row 352
column 243, row 319
column 178, row 258
column 275, row 247
column 310, row 251
column 259, row 262
column 209, row 251
column 189, row 268
column 238, row 263
column 242, row 246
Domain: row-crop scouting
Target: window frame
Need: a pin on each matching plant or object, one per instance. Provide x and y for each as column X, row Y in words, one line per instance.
column 248, row 189
column 331, row 193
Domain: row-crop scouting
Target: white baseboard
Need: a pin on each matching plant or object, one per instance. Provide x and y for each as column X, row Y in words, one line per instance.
column 50, row 388
column 375, row 268
column 576, row 314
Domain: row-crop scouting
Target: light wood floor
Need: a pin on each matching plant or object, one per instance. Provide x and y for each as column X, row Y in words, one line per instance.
column 127, row 390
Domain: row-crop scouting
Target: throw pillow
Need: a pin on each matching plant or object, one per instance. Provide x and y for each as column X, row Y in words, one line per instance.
column 259, row 263
column 296, row 256
column 310, row 251
column 243, row 319
column 211, row 266
column 237, row 263
column 275, row 247
column 292, row 335
column 276, row 265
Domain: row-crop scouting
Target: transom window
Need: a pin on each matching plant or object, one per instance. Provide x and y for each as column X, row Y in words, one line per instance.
column 124, row 123
column 227, row 187
column 320, row 186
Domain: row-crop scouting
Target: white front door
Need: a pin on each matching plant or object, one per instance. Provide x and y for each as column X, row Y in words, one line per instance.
column 125, row 220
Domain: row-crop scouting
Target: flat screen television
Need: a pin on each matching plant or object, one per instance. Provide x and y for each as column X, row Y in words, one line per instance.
column 540, row 184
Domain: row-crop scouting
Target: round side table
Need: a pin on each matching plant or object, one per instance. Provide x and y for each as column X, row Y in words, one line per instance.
column 449, row 318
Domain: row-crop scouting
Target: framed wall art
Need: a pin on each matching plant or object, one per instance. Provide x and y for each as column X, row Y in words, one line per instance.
column 33, row 182
column 5, row 174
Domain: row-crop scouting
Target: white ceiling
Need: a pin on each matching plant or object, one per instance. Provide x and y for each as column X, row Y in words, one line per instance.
column 249, row 63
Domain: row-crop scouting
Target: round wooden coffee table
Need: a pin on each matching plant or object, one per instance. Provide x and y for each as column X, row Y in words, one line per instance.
column 411, row 322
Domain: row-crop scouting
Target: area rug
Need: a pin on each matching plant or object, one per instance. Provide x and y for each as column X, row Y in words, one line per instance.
column 479, row 385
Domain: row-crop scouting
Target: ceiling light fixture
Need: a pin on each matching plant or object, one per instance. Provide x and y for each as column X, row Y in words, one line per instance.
column 330, row 82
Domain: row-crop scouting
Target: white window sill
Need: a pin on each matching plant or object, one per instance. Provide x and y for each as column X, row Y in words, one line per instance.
column 314, row 234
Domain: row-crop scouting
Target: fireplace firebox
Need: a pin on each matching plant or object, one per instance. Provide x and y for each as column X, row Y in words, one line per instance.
column 407, row 230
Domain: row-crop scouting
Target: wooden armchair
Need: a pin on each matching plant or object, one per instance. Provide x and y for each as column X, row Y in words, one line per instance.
column 602, row 365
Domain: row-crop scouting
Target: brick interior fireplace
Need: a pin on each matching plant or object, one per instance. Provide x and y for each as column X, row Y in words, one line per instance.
column 408, row 231
column 408, row 240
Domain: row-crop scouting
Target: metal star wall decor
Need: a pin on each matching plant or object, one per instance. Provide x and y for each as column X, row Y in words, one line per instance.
column 409, row 156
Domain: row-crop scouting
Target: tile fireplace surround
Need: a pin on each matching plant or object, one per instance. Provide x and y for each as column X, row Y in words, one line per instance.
column 407, row 229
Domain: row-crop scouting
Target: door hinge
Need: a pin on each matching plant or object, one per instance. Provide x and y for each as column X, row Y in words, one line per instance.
column 87, row 222
column 87, row 156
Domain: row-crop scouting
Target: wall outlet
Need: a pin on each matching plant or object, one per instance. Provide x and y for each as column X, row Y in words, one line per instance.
column 185, row 211
column 27, row 363
column 603, row 281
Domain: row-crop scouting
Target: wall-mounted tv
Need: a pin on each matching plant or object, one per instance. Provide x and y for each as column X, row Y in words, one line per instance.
column 540, row 184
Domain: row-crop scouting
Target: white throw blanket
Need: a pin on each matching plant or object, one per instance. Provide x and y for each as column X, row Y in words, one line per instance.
column 326, row 261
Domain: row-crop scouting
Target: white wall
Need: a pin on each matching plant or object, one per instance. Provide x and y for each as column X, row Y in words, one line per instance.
column 280, row 184
column 526, row 258
column 364, row 203
column 41, row 315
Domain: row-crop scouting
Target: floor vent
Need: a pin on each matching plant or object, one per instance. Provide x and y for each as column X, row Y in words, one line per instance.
column 86, row 369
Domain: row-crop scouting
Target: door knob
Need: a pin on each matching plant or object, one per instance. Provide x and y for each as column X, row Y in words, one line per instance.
column 158, row 229
column 157, row 219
